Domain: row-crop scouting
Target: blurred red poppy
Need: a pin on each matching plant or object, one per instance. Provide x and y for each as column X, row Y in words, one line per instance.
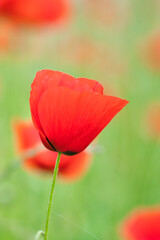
column 70, row 112
column 27, row 138
column 151, row 51
column 108, row 12
column 142, row 224
column 153, row 119
column 3, row 2
column 6, row 35
column 36, row 11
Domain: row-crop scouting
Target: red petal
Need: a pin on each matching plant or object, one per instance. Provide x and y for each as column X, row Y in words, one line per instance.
column 26, row 136
column 44, row 161
column 76, row 167
column 47, row 78
column 37, row 11
column 3, row 2
column 46, row 143
column 40, row 84
column 70, row 168
column 81, row 84
column 94, row 85
column 142, row 224
column 72, row 119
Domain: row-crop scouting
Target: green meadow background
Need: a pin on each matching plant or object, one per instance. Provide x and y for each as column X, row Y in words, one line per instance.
column 125, row 173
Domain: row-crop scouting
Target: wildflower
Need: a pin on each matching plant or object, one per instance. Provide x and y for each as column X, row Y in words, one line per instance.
column 108, row 12
column 142, row 224
column 36, row 11
column 151, row 51
column 71, row 168
column 7, row 30
column 70, row 112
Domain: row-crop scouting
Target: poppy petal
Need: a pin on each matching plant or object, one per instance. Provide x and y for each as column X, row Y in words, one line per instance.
column 71, row 168
column 75, row 118
column 81, row 84
column 2, row 3
column 76, row 167
column 39, row 85
column 142, row 224
column 48, row 78
column 94, row 85
column 37, row 11
column 26, row 136
column 46, row 142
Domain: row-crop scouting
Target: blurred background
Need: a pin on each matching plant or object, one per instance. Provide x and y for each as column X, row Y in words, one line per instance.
column 116, row 42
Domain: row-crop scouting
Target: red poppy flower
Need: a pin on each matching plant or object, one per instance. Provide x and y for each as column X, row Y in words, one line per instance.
column 27, row 138
column 6, row 35
column 36, row 11
column 70, row 112
column 142, row 224
column 151, row 51
column 108, row 12
column 2, row 2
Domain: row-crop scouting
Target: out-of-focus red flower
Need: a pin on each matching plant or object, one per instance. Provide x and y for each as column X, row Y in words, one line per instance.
column 142, row 224
column 36, row 11
column 70, row 112
column 27, row 138
column 7, row 32
column 153, row 119
column 108, row 12
column 2, row 2
column 151, row 51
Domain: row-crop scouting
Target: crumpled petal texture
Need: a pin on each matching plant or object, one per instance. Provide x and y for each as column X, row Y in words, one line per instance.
column 70, row 112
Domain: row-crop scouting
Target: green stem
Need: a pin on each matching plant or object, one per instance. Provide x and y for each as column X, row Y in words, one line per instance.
column 51, row 195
